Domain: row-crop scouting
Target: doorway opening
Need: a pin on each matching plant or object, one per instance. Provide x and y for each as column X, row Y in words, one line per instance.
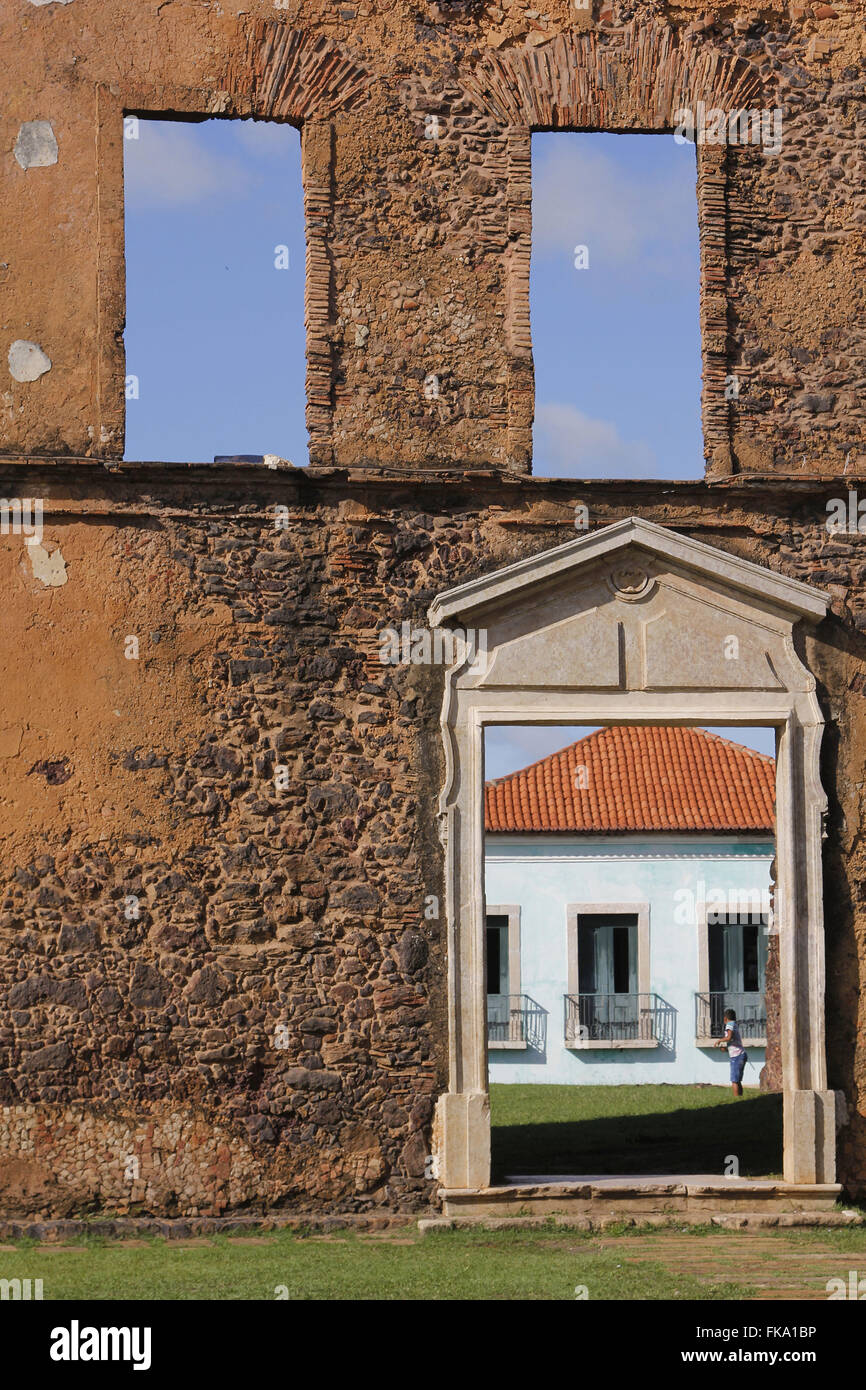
column 638, row 628
column 628, row 910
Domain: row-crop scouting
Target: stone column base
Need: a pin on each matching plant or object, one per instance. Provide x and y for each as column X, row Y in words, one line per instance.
column 462, row 1140
column 810, row 1136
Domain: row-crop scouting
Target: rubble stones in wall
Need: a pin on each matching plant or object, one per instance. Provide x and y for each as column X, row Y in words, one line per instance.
column 259, row 988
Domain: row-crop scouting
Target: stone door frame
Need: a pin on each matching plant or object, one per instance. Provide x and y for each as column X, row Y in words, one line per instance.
column 473, row 701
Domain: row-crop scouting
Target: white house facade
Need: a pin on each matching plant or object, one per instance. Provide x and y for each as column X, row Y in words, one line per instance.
column 665, row 934
column 614, row 943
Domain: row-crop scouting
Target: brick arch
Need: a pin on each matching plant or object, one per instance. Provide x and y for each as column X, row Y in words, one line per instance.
column 298, row 75
column 633, row 79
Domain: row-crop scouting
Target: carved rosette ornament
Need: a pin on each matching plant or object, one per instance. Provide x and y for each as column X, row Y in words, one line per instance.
column 630, row 583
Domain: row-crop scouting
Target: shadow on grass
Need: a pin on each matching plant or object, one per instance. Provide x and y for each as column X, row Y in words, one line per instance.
column 687, row 1140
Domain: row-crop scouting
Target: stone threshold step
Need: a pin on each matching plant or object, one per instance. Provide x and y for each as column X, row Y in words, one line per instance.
column 643, row 1181
column 748, row 1221
column 643, row 1188
column 692, row 1193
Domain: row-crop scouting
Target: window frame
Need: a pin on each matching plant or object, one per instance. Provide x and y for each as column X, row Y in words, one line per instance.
column 574, row 911
column 709, row 910
column 316, row 132
column 718, row 415
column 512, row 912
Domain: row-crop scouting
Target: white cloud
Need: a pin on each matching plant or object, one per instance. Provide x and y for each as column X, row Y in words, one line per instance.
column 569, row 444
column 268, row 139
column 625, row 217
column 170, row 163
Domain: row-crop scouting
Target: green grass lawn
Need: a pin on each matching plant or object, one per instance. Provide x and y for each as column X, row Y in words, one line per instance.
column 634, row 1129
column 666, row 1263
column 615, row 1129
column 443, row 1265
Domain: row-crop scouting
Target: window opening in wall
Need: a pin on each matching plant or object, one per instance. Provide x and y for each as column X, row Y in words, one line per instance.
column 638, row 862
column 215, row 259
column 614, row 307
column 497, row 955
column 511, row 1018
column 737, row 959
column 607, row 969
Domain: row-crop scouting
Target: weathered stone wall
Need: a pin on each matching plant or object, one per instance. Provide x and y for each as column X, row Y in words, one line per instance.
column 418, row 248
column 218, row 994
column 166, row 910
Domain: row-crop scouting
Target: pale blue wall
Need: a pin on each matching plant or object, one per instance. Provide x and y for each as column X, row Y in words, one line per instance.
column 546, row 873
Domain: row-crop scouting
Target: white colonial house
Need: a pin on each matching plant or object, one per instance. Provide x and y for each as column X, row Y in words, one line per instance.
column 627, row 884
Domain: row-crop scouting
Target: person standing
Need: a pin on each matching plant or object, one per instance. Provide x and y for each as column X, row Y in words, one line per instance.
column 736, row 1052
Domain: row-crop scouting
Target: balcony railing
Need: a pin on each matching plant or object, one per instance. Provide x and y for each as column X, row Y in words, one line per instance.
column 749, row 1006
column 515, row 1020
column 593, row 1019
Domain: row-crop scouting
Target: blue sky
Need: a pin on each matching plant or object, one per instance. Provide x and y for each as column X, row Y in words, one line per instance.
column 215, row 332
column 507, row 748
column 616, row 345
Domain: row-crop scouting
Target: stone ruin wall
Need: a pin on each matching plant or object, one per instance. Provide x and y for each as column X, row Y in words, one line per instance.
column 138, row 1057
column 156, row 1037
column 418, row 248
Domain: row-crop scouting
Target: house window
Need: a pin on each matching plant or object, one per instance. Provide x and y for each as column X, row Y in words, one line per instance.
column 607, row 953
column 733, row 975
column 738, row 957
column 497, row 955
column 506, row 1008
column 608, row 1003
column 608, row 1000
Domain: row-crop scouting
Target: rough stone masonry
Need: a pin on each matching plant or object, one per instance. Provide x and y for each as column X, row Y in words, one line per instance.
column 215, row 994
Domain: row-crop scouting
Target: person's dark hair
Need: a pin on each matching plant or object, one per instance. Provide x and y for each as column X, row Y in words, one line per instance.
column 730, row 1013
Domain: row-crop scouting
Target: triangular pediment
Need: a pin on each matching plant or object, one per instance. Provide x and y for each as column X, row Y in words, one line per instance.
column 468, row 600
column 633, row 606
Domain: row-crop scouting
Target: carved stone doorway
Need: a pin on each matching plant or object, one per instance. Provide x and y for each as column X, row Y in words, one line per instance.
column 636, row 624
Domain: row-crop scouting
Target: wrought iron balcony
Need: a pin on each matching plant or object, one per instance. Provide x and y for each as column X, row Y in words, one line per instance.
column 624, row 1020
column 515, row 1020
column 749, row 1006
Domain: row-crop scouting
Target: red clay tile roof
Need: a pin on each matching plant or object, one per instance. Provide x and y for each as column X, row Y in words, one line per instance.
column 639, row 777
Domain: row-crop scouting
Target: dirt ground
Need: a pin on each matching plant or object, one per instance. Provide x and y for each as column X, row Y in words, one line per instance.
column 772, row 1265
